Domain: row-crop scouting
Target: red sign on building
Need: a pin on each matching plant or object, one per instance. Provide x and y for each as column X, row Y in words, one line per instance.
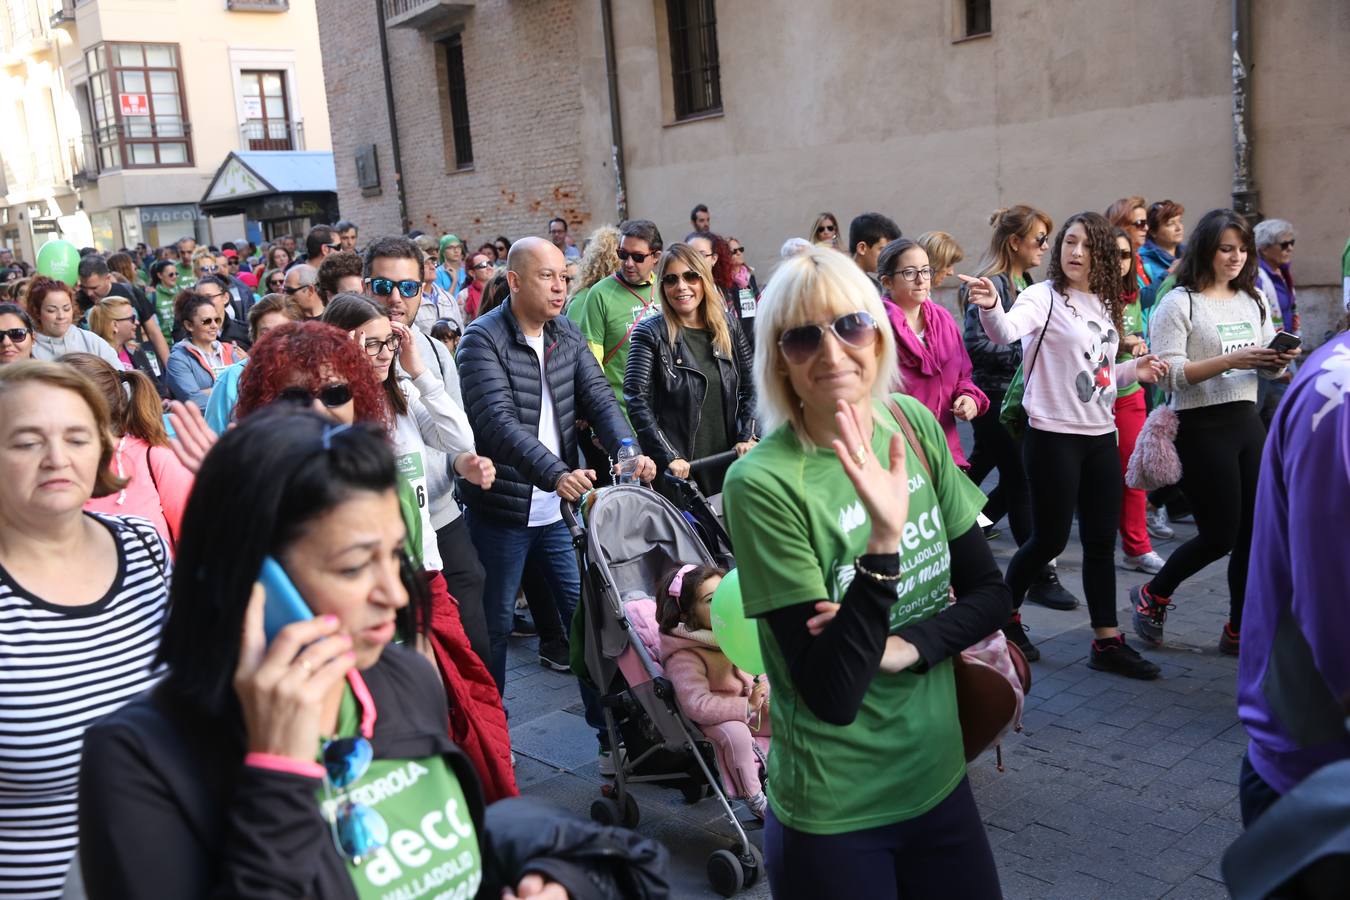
column 134, row 104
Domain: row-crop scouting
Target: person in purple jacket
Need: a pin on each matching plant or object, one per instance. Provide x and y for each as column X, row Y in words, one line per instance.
column 935, row 368
column 1293, row 672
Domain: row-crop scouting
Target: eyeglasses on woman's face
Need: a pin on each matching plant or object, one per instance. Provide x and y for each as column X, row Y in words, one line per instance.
column 275, row 284
column 373, row 346
column 914, row 274
column 14, row 335
column 737, row 251
column 799, row 344
column 827, row 228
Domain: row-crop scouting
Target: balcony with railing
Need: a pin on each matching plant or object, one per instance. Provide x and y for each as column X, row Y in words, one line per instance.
column 82, row 155
column 424, row 13
column 272, row 134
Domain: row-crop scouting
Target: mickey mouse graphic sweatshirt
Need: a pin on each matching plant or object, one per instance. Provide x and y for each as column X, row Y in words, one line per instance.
column 1070, row 374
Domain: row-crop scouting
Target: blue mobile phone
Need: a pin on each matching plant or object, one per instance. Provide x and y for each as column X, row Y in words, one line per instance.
column 284, row 604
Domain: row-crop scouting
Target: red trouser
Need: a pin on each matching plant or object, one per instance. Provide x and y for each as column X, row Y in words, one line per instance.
column 1131, row 411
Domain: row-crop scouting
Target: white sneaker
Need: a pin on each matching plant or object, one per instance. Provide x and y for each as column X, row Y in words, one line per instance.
column 1150, row 563
column 1158, row 527
column 608, row 761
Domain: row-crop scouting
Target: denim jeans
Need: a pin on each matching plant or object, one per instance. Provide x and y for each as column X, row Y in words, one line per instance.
column 504, row 551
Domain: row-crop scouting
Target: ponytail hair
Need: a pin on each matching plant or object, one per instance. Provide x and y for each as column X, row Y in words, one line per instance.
column 1014, row 221
column 679, row 593
column 133, row 403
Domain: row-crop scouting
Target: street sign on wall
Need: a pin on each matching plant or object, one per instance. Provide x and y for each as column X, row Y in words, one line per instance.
column 134, row 104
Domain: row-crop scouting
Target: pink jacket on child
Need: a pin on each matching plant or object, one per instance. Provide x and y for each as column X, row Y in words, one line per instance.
column 710, row 689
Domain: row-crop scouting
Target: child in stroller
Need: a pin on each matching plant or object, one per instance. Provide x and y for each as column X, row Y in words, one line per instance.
column 729, row 705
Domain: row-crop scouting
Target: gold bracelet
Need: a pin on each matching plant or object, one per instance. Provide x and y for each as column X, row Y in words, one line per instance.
column 875, row 576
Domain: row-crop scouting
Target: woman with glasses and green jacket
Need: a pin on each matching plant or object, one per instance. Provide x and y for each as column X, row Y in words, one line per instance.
column 309, row 757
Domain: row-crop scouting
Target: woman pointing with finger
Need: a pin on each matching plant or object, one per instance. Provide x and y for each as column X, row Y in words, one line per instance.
column 836, row 505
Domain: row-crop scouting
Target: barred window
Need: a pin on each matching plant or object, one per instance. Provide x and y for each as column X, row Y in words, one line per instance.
column 978, row 17
column 693, row 57
column 457, row 87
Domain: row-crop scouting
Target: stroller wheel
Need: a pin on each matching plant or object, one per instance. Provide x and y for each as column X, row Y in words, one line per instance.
column 725, row 872
column 755, row 868
column 606, row 811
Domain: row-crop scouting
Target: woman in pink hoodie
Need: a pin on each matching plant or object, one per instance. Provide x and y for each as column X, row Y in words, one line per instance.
column 158, row 485
column 729, row 705
column 935, row 368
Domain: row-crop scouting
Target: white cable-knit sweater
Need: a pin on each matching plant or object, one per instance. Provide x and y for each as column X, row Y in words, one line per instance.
column 1190, row 327
column 1072, row 388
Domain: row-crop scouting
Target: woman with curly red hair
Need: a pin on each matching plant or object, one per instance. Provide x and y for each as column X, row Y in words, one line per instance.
column 1074, row 319
column 313, row 364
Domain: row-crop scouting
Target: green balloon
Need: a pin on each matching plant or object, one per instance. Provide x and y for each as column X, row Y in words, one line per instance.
column 737, row 635
column 60, row 261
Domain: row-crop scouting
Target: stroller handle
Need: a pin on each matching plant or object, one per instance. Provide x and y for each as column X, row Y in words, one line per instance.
column 717, row 460
column 569, row 514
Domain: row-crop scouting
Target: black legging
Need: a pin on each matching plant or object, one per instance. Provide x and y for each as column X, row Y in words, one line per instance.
column 996, row 449
column 1220, row 452
column 1068, row 472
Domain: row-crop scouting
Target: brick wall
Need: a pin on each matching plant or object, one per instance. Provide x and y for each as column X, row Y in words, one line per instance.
column 525, row 111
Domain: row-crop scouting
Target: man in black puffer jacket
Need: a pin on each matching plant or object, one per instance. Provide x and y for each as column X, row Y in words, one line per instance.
column 529, row 431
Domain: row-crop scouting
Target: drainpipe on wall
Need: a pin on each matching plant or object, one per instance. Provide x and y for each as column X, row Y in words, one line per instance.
column 1246, row 198
column 615, row 121
column 404, row 225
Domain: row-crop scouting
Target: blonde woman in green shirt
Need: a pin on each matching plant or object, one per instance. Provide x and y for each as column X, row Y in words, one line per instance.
column 848, row 548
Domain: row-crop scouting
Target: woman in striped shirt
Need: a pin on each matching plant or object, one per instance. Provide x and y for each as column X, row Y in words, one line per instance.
column 82, row 600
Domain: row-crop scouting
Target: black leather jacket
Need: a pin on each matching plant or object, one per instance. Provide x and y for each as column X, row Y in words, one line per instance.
column 664, row 391
column 992, row 364
column 499, row 381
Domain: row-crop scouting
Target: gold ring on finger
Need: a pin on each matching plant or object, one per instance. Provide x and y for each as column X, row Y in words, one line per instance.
column 307, row 666
column 860, row 455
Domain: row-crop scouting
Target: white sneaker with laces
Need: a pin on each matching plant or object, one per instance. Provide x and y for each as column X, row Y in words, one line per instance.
column 1158, row 527
column 1150, row 563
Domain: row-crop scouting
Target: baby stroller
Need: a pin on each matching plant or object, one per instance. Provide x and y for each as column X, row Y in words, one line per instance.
column 631, row 538
column 703, row 513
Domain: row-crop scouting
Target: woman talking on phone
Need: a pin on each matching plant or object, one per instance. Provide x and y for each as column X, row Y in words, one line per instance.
column 316, row 763
column 1214, row 330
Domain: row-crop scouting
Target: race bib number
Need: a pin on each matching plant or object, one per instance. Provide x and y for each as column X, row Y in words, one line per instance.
column 1235, row 336
column 747, row 301
column 413, row 470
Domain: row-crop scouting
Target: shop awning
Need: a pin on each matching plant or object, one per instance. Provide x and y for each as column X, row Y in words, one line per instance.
column 247, row 176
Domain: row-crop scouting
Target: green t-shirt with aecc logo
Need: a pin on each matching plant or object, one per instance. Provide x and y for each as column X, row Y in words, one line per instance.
column 606, row 316
column 798, row 525
column 432, row 851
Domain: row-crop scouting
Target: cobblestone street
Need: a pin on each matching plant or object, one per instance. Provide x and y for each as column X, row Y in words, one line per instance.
column 1116, row 788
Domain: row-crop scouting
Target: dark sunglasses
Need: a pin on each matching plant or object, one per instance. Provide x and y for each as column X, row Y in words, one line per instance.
column 1285, row 245
column 209, row 270
column 383, row 287
column 292, row 291
column 15, row 335
column 359, row 832
column 638, row 258
column 856, row 329
column 330, row 395
column 737, row 251
column 130, row 318
column 670, row 279
column 1042, row 241
column 275, row 282
column 215, row 321
column 1140, row 223
column 483, row 265
column 824, row 228
column 1126, row 254
column 335, row 246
